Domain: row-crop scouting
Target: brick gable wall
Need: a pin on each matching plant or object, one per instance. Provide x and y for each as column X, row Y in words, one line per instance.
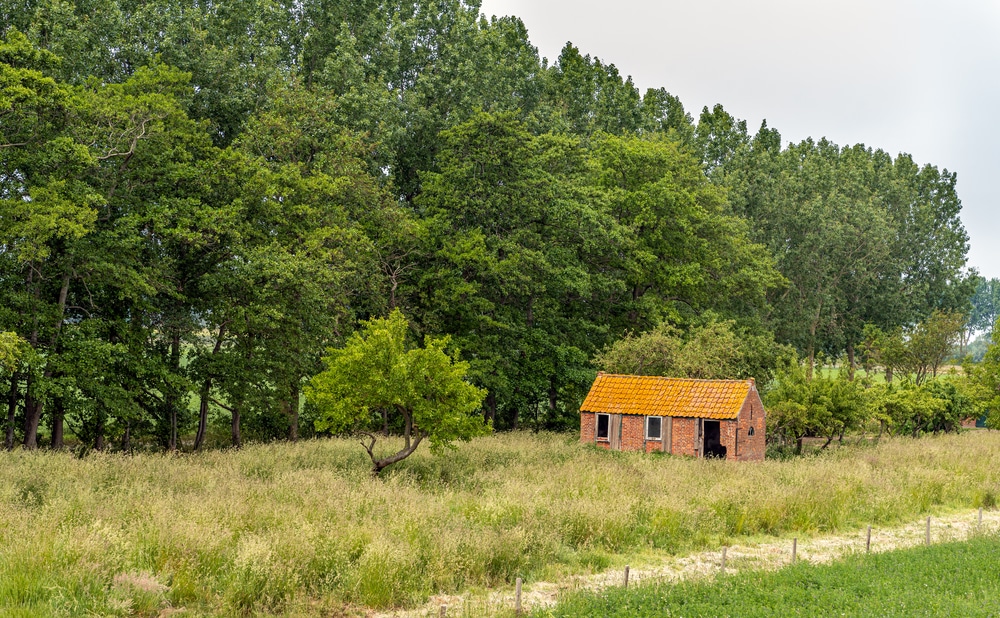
column 751, row 448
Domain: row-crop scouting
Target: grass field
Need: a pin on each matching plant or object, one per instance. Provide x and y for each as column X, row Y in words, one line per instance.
column 302, row 529
column 959, row 579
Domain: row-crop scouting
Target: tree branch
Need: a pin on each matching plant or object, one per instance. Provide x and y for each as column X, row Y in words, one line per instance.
column 221, row 405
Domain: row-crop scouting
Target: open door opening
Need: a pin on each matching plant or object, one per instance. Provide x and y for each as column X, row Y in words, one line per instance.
column 713, row 440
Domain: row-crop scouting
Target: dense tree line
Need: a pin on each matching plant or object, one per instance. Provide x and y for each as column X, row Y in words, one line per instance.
column 198, row 199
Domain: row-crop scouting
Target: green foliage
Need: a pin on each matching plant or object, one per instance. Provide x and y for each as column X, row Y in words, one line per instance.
column 850, row 228
column 424, row 387
column 985, row 306
column 919, row 350
column 832, row 406
column 984, row 381
column 198, row 200
column 949, row 580
column 12, row 350
column 716, row 350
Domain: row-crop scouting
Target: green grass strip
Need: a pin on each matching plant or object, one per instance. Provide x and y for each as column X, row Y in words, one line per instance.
column 953, row 579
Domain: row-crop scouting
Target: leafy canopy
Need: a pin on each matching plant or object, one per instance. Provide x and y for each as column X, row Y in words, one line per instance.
column 423, row 387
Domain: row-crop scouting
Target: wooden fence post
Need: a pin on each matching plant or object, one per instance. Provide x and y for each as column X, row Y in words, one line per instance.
column 868, row 541
column 517, row 598
column 795, row 547
column 980, row 516
column 928, row 530
column 724, row 559
column 626, row 576
column 444, row 611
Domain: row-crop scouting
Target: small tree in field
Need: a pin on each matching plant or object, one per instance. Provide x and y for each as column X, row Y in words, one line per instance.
column 424, row 388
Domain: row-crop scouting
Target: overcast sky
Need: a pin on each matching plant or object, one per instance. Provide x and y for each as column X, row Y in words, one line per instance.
column 909, row 76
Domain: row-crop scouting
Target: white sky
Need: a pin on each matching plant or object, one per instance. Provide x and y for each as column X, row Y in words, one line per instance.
column 911, row 76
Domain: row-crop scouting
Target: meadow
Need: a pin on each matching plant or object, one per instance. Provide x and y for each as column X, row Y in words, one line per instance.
column 304, row 530
column 952, row 579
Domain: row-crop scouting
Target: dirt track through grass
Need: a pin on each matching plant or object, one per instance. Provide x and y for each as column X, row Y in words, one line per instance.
column 765, row 554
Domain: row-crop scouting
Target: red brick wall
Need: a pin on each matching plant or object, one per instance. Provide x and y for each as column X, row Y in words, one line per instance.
column 743, row 447
column 751, row 448
column 727, row 436
column 588, row 425
column 684, row 437
column 588, row 422
column 633, row 432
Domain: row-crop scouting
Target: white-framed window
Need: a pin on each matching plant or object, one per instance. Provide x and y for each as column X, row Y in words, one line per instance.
column 654, row 427
column 603, row 430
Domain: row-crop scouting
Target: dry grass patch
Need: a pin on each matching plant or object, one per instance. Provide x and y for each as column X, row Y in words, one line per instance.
column 302, row 529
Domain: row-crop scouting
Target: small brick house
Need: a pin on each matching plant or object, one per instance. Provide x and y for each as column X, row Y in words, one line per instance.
column 699, row 418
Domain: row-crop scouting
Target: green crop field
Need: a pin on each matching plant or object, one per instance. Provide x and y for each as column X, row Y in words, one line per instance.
column 960, row 579
column 303, row 530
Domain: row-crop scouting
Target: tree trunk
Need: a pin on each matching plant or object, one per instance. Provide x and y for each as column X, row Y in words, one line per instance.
column 58, row 416
column 490, row 409
column 171, row 399
column 553, row 396
column 411, row 439
column 11, row 411
column 888, row 375
column 798, row 445
column 517, row 412
column 127, row 437
column 99, row 438
column 32, row 415
column 172, row 445
column 206, row 392
column 290, row 408
column 385, row 422
column 199, row 437
column 33, row 412
column 237, row 438
column 850, row 361
column 813, row 326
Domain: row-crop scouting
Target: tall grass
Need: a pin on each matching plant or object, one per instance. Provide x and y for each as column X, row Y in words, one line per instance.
column 304, row 530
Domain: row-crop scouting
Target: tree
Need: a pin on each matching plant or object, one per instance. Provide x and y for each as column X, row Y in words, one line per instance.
column 681, row 254
column 984, row 380
column 12, row 351
column 515, row 261
column 985, row 306
column 715, row 350
column 797, row 405
column 423, row 389
column 918, row 350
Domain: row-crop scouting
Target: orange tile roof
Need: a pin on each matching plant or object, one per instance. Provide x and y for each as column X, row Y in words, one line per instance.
column 656, row 396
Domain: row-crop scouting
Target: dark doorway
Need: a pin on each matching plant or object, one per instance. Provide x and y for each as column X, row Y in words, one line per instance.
column 713, row 440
